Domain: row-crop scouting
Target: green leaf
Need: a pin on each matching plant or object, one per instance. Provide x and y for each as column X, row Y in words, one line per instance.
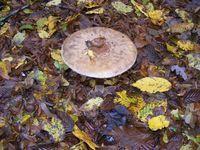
column 41, row 23
column 26, row 27
column 194, row 60
column 19, row 38
column 121, row 7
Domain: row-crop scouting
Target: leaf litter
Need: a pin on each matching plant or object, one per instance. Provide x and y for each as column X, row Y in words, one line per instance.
column 42, row 99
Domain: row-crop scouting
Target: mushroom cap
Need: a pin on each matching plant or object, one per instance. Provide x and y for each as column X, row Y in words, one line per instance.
column 112, row 52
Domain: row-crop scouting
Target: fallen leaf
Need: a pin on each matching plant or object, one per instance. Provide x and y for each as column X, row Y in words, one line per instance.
column 186, row 45
column 183, row 15
column 4, row 70
column 157, row 16
column 92, row 104
column 2, row 122
column 19, row 38
column 158, row 122
column 192, row 96
column 149, row 108
column 89, row 3
column 79, row 146
column 181, row 27
column 186, row 147
column 5, row 28
column 174, row 50
column 58, row 61
column 53, row 3
column 96, row 11
column 194, row 60
column 179, row 71
column 153, row 84
column 43, row 34
column 121, row 7
column 55, row 128
column 139, row 7
column 84, row 137
column 41, row 23
column 26, row 27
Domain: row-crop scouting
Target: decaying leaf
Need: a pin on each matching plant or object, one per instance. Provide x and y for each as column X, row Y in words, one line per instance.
column 121, row 7
column 19, row 38
column 186, row 45
column 4, row 29
column 84, row 137
column 134, row 104
column 183, row 15
column 148, row 109
column 4, row 70
column 53, row 3
column 139, row 7
column 181, row 27
column 58, row 61
column 194, row 60
column 153, row 84
column 92, row 104
column 174, row 50
column 192, row 96
column 89, row 3
column 46, row 26
column 186, row 147
column 179, row 71
column 158, row 122
column 157, row 16
column 96, row 11
column 55, row 128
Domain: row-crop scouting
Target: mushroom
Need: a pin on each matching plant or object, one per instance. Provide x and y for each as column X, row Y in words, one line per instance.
column 99, row 52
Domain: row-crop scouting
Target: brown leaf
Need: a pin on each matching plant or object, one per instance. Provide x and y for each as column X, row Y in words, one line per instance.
column 192, row 96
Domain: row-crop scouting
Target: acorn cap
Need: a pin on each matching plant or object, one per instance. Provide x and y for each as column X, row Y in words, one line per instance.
column 99, row 52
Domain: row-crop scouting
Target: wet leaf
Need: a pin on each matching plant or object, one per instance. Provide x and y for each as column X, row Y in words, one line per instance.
column 96, row 11
column 26, row 27
column 194, row 60
column 92, row 104
column 186, row 45
column 158, row 122
column 4, row 29
column 53, row 3
column 153, row 84
column 55, row 128
column 139, row 7
column 84, row 137
column 4, row 70
column 19, row 38
column 148, row 109
column 181, row 27
column 121, row 7
column 192, row 96
column 157, row 16
column 179, row 71
column 58, row 61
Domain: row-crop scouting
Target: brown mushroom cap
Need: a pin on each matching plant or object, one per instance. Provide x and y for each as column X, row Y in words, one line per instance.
column 112, row 52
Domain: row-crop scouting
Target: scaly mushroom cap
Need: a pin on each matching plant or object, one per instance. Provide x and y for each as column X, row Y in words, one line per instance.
column 99, row 52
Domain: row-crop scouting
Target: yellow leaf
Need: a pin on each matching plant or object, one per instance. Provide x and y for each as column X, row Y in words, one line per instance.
column 84, row 137
column 92, row 104
column 51, row 22
column 25, row 118
column 134, row 104
column 5, row 28
column 139, row 7
column 157, row 16
column 148, row 109
column 43, row 34
column 2, row 122
column 55, row 128
column 158, row 122
column 96, row 11
column 186, row 45
column 56, row 55
column 4, row 70
column 124, row 99
column 152, row 84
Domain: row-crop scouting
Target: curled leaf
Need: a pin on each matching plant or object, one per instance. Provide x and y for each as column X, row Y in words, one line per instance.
column 157, row 16
column 153, row 84
column 83, row 136
column 158, row 122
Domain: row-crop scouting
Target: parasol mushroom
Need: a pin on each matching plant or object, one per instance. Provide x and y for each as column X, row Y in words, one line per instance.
column 99, row 52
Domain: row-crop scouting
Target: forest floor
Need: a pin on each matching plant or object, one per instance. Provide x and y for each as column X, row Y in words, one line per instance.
column 46, row 105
